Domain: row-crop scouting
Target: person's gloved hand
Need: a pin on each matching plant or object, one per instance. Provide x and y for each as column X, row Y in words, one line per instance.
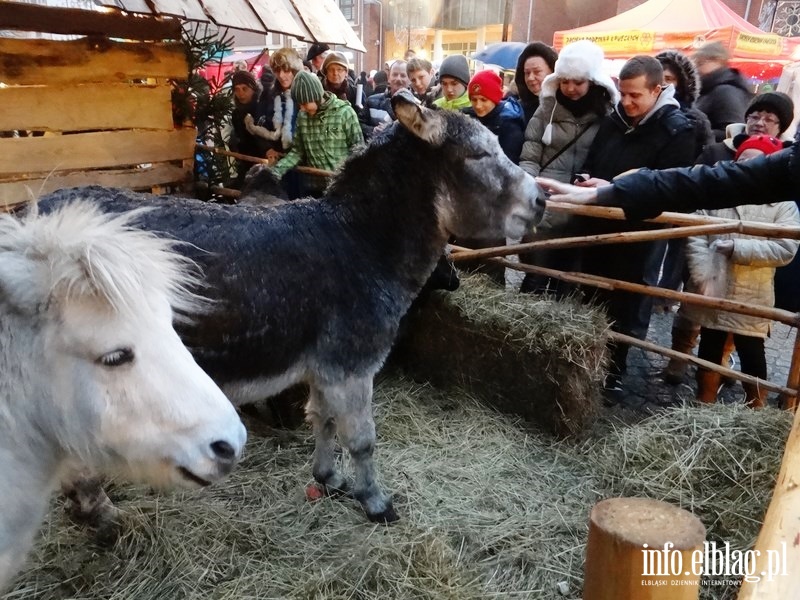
column 262, row 132
column 724, row 247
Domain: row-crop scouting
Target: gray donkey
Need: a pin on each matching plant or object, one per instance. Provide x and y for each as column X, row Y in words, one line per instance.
column 313, row 291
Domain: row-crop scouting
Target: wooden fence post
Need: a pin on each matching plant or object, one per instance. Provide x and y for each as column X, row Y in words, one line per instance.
column 629, row 556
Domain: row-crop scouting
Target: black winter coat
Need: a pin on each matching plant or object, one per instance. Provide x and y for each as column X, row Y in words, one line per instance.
column 242, row 140
column 724, row 96
column 666, row 139
column 766, row 179
column 715, row 153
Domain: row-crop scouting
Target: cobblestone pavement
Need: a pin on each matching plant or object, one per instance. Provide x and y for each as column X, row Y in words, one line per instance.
column 644, row 389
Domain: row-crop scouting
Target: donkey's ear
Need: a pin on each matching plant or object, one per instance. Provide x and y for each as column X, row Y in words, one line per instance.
column 429, row 125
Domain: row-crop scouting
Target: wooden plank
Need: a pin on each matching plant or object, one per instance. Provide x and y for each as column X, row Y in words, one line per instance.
column 777, row 549
column 74, row 21
column 94, row 150
column 281, row 17
column 88, row 60
column 13, row 193
column 86, row 107
column 184, row 9
column 237, row 14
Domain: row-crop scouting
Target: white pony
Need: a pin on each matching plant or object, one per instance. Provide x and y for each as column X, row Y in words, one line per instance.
column 92, row 373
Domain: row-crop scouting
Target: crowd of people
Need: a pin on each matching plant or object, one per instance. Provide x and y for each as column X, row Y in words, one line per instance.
column 564, row 119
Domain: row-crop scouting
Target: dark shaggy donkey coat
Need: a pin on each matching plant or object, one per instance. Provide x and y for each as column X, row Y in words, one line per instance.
column 314, row 290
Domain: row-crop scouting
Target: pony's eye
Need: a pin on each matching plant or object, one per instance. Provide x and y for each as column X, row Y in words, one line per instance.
column 116, row 358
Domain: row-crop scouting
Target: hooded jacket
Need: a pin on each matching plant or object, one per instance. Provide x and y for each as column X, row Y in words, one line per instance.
column 663, row 138
column 506, row 121
column 724, row 97
column 687, row 91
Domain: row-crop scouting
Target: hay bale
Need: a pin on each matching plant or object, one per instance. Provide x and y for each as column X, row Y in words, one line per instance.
column 533, row 356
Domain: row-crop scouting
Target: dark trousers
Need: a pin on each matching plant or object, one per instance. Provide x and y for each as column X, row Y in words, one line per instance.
column 749, row 348
column 628, row 312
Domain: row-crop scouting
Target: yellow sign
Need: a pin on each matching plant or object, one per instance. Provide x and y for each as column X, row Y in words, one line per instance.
column 765, row 45
column 633, row 41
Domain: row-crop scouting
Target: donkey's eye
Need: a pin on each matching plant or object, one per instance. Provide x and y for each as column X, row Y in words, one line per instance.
column 480, row 155
column 116, row 358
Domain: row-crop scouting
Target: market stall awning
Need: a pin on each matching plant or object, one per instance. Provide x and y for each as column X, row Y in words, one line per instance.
column 309, row 20
column 658, row 25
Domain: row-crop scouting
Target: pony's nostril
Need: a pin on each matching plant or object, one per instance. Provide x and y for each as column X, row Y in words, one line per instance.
column 223, row 450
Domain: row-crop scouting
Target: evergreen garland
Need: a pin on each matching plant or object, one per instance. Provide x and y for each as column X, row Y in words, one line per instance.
column 205, row 105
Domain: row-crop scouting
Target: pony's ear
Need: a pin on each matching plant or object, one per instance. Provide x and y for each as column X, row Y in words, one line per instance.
column 22, row 282
column 429, row 125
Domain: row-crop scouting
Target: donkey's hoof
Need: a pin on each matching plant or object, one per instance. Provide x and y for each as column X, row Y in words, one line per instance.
column 386, row 516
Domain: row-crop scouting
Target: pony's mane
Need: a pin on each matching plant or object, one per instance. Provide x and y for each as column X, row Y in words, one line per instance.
column 89, row 253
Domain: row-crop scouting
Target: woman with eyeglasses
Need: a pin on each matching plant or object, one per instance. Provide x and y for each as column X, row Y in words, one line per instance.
column 768, row 114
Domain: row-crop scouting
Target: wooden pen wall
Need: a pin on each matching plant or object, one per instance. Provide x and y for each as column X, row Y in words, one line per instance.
column 102, row 104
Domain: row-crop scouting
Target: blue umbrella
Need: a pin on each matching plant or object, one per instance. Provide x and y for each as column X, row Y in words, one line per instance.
column 502, row 54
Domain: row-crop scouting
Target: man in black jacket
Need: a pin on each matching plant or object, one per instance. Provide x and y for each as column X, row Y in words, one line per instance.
column 724, row 93
column 647, row 129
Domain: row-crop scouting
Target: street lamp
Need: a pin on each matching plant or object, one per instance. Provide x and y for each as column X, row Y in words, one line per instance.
column 380, row 30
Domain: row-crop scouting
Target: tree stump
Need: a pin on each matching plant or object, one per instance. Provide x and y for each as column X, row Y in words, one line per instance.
column 643, row 549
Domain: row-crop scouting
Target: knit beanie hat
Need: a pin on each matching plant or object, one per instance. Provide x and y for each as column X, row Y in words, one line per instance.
column 315, row 50
column 776, row 103
column 306, row 87
column 711, row 51
column 455, row 66
column 335, row 58
column 487, row 84
column 766, row 143
column 244, row 77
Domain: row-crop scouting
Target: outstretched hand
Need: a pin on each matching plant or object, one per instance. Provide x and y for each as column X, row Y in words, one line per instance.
column 564, row 192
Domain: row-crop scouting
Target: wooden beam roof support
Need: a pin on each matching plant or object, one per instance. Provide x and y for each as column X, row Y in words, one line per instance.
column 73, row 21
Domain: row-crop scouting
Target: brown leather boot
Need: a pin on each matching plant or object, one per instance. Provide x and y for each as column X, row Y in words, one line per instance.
column 683, row 340
column 708, row 383
column 755, row 396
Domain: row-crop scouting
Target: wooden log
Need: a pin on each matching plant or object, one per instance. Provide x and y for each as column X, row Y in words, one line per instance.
column 86, row 107
column 263, row 161
column 788, row 401
column 724, row 371
column 605, row 283
column 13, row 193
column 88, row 60
column 625, row 237
column 778, row 544
column 75, row 21
column 642, row 549
column 94, row 150
column 606, row 212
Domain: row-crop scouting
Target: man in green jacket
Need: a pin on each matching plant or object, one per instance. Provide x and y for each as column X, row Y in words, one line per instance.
column 327, row 131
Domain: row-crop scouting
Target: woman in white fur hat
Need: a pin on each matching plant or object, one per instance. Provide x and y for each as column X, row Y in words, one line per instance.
column 573, row 100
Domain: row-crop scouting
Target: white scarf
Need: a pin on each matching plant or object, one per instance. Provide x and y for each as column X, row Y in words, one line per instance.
column 284, row 130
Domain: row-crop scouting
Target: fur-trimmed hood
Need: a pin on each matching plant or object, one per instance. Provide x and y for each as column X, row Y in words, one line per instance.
column 688, row 88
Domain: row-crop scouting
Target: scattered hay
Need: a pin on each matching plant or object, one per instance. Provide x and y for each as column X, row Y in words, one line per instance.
column 490, row 508
column 528, row 355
